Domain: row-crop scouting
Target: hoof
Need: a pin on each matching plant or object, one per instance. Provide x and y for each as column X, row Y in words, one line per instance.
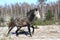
column 17, row 34
column 30, row 35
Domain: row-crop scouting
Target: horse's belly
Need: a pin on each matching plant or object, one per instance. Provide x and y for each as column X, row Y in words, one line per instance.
column 21, row 23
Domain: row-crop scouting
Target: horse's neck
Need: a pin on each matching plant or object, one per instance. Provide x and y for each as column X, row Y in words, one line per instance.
column 31, row 18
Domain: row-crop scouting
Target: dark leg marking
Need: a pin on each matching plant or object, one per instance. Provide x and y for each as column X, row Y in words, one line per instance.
column 33, row 29
column 10, row 29
column 18, row 28
column 29, row 30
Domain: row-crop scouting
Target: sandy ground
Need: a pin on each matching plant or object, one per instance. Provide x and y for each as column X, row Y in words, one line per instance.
column 47, row 32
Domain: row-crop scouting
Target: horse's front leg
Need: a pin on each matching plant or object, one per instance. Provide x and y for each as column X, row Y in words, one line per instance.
column 29, row 30
column 18, row 28
column 33, row 29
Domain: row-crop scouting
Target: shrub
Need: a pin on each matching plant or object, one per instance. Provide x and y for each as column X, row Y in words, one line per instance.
column 49, row 15
column 45, row 22
column 1, row 21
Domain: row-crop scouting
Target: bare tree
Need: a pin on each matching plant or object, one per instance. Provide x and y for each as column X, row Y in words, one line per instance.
column 25, row 8
column 41, row 3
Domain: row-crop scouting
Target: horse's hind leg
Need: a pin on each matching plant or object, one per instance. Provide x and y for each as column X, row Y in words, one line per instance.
column 10, row 29
column 33, row 29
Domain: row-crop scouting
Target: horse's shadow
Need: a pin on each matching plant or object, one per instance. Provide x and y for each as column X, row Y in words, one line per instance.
column 21, row 32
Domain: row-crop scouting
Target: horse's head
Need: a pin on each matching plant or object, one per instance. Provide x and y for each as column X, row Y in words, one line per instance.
column 37, row 14
column 33, row 13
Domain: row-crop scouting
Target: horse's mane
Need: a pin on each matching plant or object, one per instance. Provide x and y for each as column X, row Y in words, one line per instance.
column 31, row 11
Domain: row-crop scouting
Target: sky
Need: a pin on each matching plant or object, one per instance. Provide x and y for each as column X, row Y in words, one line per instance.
column 3, row 2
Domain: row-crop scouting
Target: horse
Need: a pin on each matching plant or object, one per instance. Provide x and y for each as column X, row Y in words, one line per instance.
column 25, row 22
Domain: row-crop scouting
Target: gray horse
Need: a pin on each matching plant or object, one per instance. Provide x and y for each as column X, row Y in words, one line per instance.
column 24, row 22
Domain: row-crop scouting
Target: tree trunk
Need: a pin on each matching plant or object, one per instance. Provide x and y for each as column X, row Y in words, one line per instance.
column 42, row 11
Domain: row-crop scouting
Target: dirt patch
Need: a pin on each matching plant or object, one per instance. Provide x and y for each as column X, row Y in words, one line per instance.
column 43, row 32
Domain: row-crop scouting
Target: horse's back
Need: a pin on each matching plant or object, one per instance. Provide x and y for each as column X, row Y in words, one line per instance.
column 21, row 21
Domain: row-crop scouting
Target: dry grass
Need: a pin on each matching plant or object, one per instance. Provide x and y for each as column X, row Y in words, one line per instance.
column 44, row 32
